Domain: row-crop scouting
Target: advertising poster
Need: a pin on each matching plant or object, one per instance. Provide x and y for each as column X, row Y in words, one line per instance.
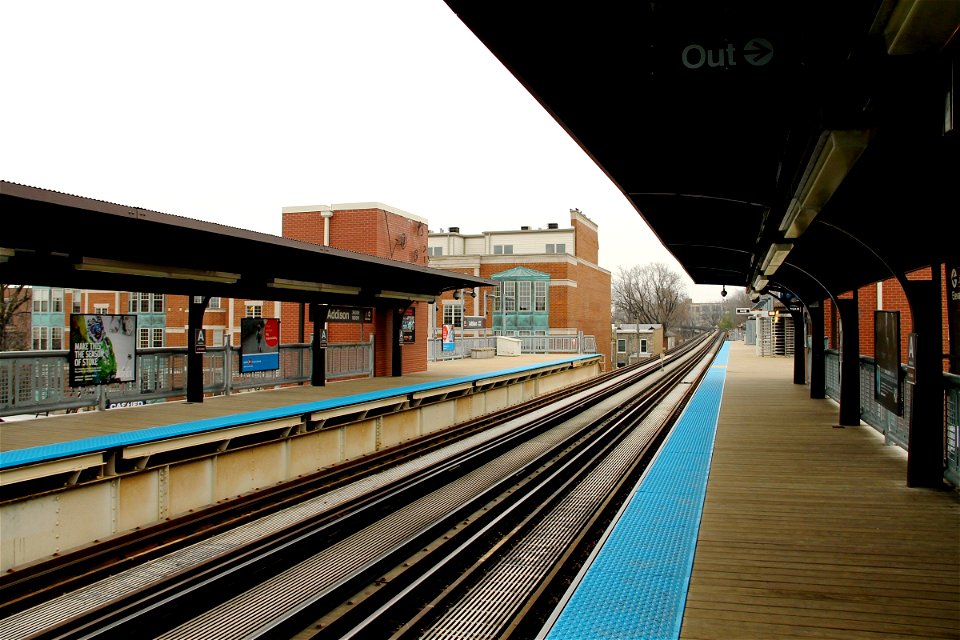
column 102, row 349
column 953, row 315
column 259, row 344
column 888, row 385
column 448, row 339
column 408, row 326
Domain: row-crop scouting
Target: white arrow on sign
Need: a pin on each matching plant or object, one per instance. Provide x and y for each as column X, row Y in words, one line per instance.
column 758, row 52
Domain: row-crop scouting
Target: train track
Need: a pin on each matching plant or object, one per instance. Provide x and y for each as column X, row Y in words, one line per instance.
column 410, row 537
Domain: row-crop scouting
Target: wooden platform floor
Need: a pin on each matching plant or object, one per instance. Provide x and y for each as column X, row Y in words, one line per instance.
column 809, row 531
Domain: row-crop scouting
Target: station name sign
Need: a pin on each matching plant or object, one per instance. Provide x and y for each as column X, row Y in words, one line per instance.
column 350, row 314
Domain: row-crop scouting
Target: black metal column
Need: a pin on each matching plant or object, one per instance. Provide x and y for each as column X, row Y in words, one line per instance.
column 397, row 351
column 318, row 368
column 195, row 351
column 849, row 361
column 818, row 386
column 925, row 442
column 799, row 351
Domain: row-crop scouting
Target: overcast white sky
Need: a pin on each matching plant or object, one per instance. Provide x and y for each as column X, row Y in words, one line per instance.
column 229, row 111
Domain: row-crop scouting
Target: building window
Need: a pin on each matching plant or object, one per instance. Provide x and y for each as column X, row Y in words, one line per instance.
column 510, row 296
column 101, row 308
column 41, row 300
column 621, row 345
column 643, row 345
column 145, row 303
column 540, row 295
column 524, row 295
column 56, row 300
column 149, row 337
column 40, row 337
column 214, row 303
column 254, row 309
column 76, row 308
column 502, row 249
column 56, row 338
column 453, row 314
column 434, row 251
column 559, row 247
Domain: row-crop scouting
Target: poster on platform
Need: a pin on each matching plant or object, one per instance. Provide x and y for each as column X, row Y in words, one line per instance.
column 102, row 349
column 408, row 326
column 888, row 383
column 953, row 315
column 449, row 341
column 259, row 344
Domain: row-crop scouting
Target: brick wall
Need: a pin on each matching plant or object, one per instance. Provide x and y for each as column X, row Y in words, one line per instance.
column 893, row 299
column 371, row 231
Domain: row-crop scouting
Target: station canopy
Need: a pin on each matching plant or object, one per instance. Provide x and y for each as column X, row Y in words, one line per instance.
column 54, row 239
column 800, row 145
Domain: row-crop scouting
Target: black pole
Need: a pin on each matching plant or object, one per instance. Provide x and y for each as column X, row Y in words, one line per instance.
column 318, row 369
column 850, row 362
column 925, row 441
column 397, row 356
column 818, row 386
column 799, row 357
column 195, row 347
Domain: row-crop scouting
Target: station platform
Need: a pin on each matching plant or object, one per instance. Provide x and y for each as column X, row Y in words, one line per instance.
column 63, row 429
column 761, row 519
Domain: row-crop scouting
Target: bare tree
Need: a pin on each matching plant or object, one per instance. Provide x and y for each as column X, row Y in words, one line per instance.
column 14, row 317
column 650, row 293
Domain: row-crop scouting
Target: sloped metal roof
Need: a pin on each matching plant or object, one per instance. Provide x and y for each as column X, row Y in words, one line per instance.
column 55, row 239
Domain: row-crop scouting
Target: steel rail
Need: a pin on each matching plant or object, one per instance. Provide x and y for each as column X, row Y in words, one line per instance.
column 149, row 608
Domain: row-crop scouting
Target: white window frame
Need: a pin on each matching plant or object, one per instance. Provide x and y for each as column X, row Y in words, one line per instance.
column 539, row 295
column 41, row 336
column 253, row 309
column 524, row 296
column 101, row 309
column 510, row 296
column 41, row 300
column 621, row 345
column 56, row 338
column 453, row 313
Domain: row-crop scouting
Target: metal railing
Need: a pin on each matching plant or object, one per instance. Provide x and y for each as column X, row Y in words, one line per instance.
column 463, row 346
column 35, row 382
column 896, row 429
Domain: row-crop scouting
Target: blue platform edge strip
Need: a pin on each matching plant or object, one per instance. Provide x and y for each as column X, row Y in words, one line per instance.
column 33, row 455
column 637, row 585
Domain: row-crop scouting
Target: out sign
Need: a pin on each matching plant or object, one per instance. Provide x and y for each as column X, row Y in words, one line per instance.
column 756, row 52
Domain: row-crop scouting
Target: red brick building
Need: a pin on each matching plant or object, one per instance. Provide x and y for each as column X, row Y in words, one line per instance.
column 373, row 229
column 887, row 295
column 549, row 282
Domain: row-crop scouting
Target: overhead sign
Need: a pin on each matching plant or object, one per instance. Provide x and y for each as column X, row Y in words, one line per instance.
column 756, row 52
column 742, row 311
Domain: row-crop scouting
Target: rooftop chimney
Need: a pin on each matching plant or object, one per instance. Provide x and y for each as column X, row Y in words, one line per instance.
column 524, row 228
column 454, row 229
column 553, row 225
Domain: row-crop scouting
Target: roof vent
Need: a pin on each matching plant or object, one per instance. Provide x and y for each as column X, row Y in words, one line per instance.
column 553, row 225
column 525, row 228
column 454, row 229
